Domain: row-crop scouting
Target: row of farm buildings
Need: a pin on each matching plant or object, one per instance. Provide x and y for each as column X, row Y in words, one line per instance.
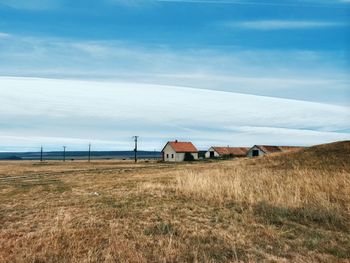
column 175, row 151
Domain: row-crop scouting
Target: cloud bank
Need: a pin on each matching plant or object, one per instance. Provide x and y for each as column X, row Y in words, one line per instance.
column 56, row 112
column 303, row 75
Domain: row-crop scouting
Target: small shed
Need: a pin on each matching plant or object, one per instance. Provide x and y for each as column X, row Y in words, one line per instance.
column 260, row 150
column 222, row 152
column 175, row 151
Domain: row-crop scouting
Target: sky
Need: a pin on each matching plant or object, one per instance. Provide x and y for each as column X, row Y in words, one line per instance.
column 294, row 54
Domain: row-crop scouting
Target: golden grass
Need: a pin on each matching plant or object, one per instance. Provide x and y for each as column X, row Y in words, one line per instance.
column 281, row 208
column 251, row 185
column 314, row 177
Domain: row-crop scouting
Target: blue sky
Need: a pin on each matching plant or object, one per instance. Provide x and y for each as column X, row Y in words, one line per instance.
column 284, row 49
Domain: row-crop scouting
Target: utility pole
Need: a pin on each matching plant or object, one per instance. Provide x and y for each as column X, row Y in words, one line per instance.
column 64, row 153
column 89, row 152
column 135, row 150
column 41, row 154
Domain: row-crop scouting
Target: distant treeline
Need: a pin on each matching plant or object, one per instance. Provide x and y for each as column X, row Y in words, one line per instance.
column 79, row 155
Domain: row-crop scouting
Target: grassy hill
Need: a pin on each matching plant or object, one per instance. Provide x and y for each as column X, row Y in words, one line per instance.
column 327, row 157
column 289, row 207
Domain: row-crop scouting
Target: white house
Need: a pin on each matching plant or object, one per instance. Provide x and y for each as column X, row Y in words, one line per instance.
column 177, row 151
column 260, row 150
column 220, row 152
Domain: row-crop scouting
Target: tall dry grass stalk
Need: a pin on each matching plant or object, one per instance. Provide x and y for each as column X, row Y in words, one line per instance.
column 287, row 188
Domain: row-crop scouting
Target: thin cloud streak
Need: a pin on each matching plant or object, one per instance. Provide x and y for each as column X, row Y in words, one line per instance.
column 327, row 4
column 41, row 5
column 282, row 24
column 4, row 35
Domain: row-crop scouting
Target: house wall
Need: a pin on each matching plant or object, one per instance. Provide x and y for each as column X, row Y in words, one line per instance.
column 207, row 154
column 169, row 155
column 250, row 153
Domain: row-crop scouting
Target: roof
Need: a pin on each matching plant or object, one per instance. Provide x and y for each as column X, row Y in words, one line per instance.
column 274, row 149
column 182, row 147
column 237, row 151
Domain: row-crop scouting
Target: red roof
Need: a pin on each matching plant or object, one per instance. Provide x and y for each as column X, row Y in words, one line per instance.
column 237, row 151
column 182, row 147
column 274, row 149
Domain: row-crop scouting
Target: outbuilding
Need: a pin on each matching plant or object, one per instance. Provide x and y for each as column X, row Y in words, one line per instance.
column 224, row 152
column 175, row 151
column 260, row 150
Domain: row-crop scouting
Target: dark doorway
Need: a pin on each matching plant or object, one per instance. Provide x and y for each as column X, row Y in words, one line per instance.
column 255, row 153
column 212, row 154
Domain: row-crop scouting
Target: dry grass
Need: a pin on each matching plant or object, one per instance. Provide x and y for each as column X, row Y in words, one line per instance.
column 282, row 208
column 307, row 178
column 250, row 185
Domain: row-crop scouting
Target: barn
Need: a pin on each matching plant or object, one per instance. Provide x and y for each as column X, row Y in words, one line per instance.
column 260, row 150
column 222, row 152
column 176, row 151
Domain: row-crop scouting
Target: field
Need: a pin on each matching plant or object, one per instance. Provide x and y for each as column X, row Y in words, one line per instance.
column 291, row 207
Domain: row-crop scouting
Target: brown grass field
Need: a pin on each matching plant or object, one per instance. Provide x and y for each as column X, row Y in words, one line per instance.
column 291, row 207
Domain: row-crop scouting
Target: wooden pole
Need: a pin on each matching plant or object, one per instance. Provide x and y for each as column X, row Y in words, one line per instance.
column 135, row 150
column 89, row 152
column 64, row 153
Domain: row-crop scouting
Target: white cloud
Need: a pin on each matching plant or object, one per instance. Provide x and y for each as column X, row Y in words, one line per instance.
column 33, row 111
column 302, row 3
column 4, row 35
column 52, row 4
column 282, row 24
column 290, row 74
column 305, row 75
